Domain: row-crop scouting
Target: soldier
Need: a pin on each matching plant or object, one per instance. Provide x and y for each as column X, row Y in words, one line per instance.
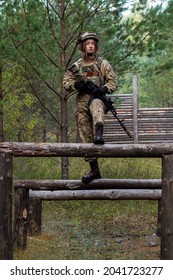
column 90, row 112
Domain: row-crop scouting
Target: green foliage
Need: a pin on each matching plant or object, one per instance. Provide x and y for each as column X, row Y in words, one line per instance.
column 41, row 37
column 20, row 115
column 156, row 90
column 155, row 66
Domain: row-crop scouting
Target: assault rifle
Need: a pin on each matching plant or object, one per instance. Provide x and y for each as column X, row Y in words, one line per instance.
column 108, row 104
column 92, row 88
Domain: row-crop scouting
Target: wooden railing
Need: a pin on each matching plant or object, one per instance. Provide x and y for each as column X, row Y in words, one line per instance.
column 161, row 190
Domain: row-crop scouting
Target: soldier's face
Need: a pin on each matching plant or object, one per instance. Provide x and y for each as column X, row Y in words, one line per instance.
column 90, row 46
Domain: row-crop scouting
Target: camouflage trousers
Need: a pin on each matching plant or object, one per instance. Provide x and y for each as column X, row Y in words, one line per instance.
column 87, row 115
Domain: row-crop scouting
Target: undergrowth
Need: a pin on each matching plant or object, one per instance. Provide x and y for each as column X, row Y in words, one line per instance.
column 92, row 229
column 50, row 168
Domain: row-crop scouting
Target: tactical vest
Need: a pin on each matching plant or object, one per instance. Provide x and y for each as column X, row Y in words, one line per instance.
column 93, row 71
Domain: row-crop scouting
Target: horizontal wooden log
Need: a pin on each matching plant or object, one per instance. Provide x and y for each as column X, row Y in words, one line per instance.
column 111, row 194
column 96, row 184
column 86, row 150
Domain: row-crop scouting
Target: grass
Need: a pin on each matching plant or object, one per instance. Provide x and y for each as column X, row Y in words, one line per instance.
column 50, row 168
column 93, row 229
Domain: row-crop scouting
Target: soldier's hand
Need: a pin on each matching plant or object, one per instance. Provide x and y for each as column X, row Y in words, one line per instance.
column 80, row 85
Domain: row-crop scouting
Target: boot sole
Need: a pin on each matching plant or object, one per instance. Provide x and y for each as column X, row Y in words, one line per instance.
column 86, row 181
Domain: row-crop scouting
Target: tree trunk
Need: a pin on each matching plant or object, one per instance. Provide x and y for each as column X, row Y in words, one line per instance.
column 64, row 137
column 64, row 113
column 1, row 108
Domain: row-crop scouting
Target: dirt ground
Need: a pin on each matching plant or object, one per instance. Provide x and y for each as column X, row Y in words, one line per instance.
column 96, row 230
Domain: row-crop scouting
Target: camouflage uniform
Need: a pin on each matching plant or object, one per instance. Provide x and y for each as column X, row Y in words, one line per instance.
column 89, row 113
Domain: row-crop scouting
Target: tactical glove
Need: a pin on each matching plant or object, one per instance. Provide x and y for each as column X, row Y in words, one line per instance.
column 80, row 85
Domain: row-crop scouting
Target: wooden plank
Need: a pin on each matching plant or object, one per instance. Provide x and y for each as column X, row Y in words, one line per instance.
column 155, row 125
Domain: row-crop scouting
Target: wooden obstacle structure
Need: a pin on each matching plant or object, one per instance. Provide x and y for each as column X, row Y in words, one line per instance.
column 148, row 125
column 161, row 190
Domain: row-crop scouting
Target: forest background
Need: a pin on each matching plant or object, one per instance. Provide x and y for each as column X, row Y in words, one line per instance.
column 38, row 41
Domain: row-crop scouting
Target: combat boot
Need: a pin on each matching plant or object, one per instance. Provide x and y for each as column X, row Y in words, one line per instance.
column 99, row 134
column 93, row 174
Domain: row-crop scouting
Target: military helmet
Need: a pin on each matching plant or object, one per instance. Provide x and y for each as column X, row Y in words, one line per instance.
column 88, row 35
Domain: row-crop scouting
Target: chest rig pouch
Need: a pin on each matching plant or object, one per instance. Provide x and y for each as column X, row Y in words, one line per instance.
column 93, row 71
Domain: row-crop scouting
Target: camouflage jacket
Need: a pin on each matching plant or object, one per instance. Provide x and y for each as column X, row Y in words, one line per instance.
column 96, row 69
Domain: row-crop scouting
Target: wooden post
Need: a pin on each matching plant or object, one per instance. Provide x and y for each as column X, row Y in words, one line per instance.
column 6, row 246
column 158, row 231
column 167, row 208
column 35, row 215
column 135, row 109
column 21, row 217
